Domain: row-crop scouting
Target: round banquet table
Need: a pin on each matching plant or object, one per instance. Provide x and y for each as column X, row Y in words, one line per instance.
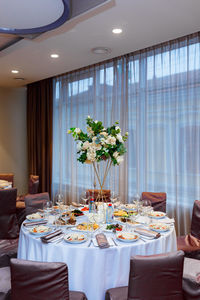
column 93, row 270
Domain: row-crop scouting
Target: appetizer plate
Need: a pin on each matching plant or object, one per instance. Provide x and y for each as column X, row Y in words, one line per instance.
column 75, row 238
column 157, row 214
column 127, row 237
column 34, row 217
column 159, row 227
column 86, row 227
column 110, row 227
column 120, row 213
column 40, row 230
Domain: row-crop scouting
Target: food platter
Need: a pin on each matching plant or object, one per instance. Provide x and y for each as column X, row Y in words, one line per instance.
column 112, row 227
column 86, row 227
column 40, row 230
column 75, row 238
column 34, row 217
column 158, row 227
column 157, row 214
column 127, row 237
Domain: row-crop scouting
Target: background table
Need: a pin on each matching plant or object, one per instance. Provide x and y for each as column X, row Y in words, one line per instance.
column 93, row 270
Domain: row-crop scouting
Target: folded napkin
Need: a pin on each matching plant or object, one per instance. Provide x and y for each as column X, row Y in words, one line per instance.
column 34, row 223
column 166, row 220
column 147, row 232
column 102, row 241
column 77, row 204
column 110, row 242
column 51, row 236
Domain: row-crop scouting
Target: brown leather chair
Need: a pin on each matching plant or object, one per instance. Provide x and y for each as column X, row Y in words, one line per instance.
column 34, row 202
column 191, row 279
column 41, row 280
column 190, row 243
column 8, row 177
column 33, row 185
column 158, row 200
column 9, row 228
column 154, row 277
column 95, row 193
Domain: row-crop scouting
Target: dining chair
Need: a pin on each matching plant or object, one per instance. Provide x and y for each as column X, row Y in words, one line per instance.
column 191, row 279
column 95, row 193
column 33, row 202
column 158, row 200
column 154, row 277
column 41, row 280
column 190, row 243
column 8, row 177
column 33, row 185
column 9, row 229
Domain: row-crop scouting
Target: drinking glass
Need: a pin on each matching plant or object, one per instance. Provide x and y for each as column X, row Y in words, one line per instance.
column 85, row 197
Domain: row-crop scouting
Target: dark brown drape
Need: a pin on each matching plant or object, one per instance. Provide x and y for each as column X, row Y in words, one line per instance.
column 39, row 131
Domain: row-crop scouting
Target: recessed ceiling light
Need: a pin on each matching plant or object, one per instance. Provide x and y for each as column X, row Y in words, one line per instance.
column 15, row 71
column 101, row 50
column 117, row 30
column 19, row 78
column 54, row 55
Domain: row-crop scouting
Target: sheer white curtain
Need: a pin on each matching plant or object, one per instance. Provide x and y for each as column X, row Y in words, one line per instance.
column 155, row 95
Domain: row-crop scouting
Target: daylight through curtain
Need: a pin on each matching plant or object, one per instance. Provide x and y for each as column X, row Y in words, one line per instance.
column 155, row 96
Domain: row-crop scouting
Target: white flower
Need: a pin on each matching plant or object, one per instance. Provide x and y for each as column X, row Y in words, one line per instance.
column 111, row 140
column 103, row 141
column 86, row 145
column 104, row 133
column 90, row 131
column 77, row 130
column 119, row 159
column 91, row 154
column 117, row 127
column 79, row 146
column 96, row 121
column 88, row 117
column 119, row 137
column 115, row 154
column 94, row 138
column 96, row 146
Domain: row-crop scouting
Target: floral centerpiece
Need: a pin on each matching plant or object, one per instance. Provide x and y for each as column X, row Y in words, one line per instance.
column 100, row 144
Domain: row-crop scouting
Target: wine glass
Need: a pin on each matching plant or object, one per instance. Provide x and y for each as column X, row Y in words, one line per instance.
column 114, row 198
column 85, row 197
column 47, row 209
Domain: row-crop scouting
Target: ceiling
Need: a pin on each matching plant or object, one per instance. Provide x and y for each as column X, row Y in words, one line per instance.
column 144, row 23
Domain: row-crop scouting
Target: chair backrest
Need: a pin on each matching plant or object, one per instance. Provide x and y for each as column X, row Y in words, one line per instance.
column 33, row 185
column 8, row 177
column 9, row 228
column 98, row 195
column 156, row 277
column 158, row 200
column 33, row 280
column 195, row 224
column 33, row 202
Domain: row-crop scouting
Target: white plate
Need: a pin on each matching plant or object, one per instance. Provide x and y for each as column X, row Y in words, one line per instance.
column 164, row 229
column 157, row 215
column 86, row 231
column 73, row 236
column 129, row 237
column 29, row 218
column 40, row 233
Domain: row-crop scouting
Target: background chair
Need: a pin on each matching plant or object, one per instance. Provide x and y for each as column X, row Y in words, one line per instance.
column 9, row 228
column 95, row 193
column 158, row 200
column 190, row 243
column 33, row 185
column 8, row 177
column 47, row 280
column 33, row 202
column 191, row 279
column 153, row 277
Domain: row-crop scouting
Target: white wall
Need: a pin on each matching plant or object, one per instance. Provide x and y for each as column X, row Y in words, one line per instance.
column 13, row 136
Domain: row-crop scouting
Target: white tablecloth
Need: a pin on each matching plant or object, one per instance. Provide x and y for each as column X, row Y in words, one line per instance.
column 93, row 270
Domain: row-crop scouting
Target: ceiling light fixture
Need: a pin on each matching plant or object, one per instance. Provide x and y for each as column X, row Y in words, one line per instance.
column 117, row 30
column 54, row 55
column 15, row 71
column 101, row 50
